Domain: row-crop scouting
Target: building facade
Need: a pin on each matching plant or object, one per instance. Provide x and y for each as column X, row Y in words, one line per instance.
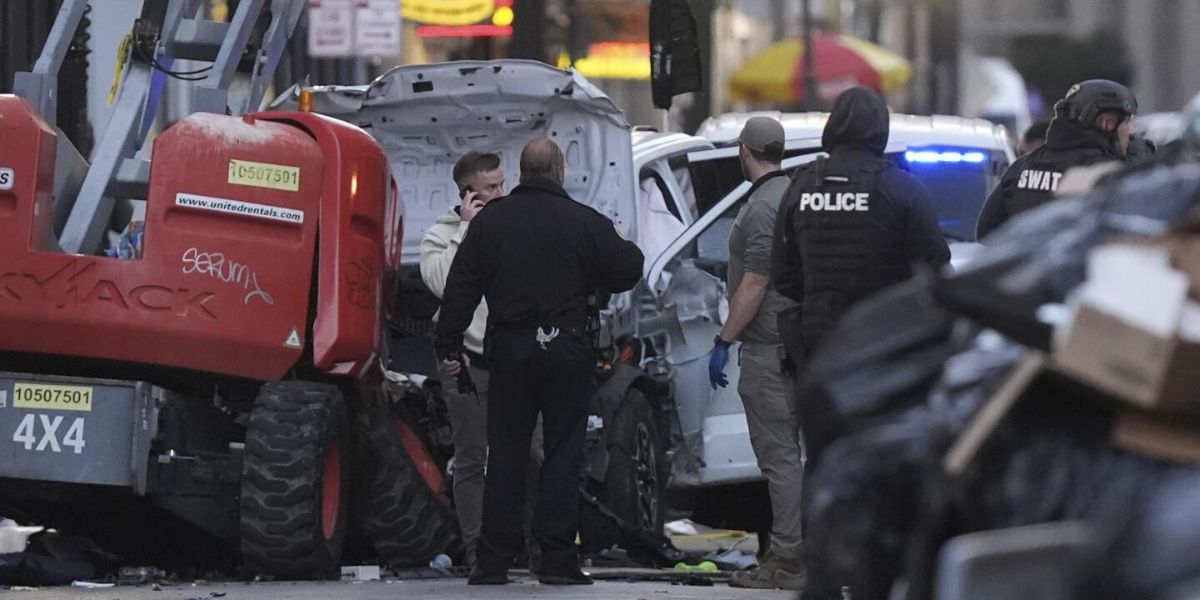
column 1158, row 36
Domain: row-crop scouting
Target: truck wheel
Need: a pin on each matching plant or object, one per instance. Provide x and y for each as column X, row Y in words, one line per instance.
column 294, row 477
column 404, row 513
column 636, row 477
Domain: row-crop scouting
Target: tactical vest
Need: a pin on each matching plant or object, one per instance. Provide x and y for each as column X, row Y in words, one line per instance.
column 848, row 238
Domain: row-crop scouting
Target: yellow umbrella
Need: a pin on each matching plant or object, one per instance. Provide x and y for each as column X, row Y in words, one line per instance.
column 776, row 75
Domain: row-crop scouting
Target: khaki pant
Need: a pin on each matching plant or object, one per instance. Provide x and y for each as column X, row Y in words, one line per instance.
column 774, row 422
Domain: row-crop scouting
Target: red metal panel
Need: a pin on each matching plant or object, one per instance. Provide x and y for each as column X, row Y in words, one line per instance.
column 27, row 150
column 352, row 260
column 227, row 266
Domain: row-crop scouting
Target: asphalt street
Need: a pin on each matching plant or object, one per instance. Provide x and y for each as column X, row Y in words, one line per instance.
column 442, row 589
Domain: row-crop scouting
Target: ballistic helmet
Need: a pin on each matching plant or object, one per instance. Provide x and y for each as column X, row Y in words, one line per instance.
column 1087, row 100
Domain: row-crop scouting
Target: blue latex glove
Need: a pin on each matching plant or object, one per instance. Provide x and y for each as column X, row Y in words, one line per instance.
column 716, row 366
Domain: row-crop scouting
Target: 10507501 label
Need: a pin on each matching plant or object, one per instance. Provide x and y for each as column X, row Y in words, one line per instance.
column 7, row 176
column 52, row 397
column 265, row 175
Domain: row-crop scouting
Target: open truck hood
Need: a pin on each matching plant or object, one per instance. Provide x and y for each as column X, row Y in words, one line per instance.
column 426, row 116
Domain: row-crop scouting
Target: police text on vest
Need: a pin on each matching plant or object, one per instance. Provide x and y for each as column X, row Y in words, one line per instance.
column 1045, row 181
column 843, row 201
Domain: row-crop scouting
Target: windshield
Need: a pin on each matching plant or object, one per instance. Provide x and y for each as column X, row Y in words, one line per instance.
column 959, row 181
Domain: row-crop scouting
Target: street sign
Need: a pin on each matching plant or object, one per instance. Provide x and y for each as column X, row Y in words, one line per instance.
column 345, row 28
column 377, row 28
column 331, row 28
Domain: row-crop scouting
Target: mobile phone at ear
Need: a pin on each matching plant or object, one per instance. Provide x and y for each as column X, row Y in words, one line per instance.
column 462, row 193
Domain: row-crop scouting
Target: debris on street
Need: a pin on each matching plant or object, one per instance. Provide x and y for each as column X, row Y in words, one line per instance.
column 360, row 573
column 139, row 575
column 13, row 537
column 92, row 585
column 29, row 569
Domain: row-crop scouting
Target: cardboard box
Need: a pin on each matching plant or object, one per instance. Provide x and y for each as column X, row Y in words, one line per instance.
column 1136, row 332
column 1183, row 254
column 1164, row 438
column 1184, row 251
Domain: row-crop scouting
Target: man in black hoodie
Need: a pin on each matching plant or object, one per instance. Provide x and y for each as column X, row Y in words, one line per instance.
column 1092, row 124
column 849, row 226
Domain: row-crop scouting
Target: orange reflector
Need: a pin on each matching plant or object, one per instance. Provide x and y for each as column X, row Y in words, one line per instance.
column 306, row 100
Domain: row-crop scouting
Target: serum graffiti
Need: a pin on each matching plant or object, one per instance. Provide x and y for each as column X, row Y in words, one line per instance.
column 217, row 266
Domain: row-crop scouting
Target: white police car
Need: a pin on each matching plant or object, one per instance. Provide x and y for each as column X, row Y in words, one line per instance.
column 959, row 160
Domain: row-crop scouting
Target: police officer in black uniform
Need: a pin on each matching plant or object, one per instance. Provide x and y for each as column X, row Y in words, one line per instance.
column 1092, row 124
column 849, row 226
column 537, row 256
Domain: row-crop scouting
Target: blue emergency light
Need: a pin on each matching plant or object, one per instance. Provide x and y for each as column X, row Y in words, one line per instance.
column 934, row 156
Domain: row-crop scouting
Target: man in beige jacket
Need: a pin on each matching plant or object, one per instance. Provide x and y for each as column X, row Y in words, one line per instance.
column 480, row 180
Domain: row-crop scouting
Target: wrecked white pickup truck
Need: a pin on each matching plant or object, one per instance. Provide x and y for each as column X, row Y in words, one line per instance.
column 425, row 117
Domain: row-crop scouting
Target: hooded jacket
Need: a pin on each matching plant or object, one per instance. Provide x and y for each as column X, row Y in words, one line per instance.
column 859, row 121
column 438, row 248
column 1033, row 179
column 852, row 224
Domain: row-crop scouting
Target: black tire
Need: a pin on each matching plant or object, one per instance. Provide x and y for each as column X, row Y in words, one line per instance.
column 636, row 479
column 408, row 522
column 295, row 441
